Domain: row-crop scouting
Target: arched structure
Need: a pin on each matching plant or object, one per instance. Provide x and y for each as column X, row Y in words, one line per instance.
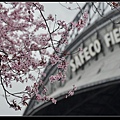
column 95, row 70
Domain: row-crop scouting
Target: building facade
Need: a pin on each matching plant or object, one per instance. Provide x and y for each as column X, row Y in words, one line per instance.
column 95, row 70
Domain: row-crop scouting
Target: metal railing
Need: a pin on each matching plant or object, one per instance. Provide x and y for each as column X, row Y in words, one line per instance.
column 93, row 15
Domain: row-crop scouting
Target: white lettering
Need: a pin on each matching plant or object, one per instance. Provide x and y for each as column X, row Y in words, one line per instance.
column 72, row 65
column 112, row 38
column 77, row 62
column 116, row 35
column 107, row 39
column 92, row 53
column 86, row 53
column 97, row 46
column 81, row 55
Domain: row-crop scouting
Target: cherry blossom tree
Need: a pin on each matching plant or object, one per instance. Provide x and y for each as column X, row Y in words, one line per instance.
column 27, row 44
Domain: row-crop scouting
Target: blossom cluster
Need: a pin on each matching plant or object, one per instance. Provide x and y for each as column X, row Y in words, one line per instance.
column 24, row 48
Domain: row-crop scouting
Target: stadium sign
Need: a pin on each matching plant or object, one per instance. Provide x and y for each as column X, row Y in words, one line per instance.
column 111, row 38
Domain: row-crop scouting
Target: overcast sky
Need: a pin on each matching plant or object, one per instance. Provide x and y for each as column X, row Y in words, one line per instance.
column 63, row 14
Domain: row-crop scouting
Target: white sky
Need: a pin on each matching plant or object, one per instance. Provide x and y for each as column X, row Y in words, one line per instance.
column 63, row 14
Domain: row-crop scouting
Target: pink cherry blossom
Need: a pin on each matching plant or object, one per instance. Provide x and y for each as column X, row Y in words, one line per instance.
column 71, row 92
column 25, row 50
